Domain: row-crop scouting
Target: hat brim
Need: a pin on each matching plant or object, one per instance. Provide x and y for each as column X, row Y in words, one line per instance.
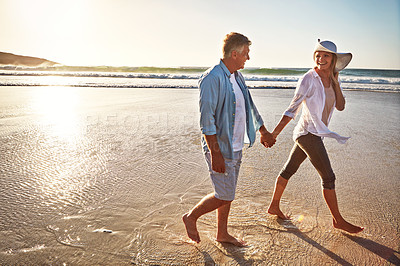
column 343, row 59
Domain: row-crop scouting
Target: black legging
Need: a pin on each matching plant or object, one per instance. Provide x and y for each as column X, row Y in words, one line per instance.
column 310, row 146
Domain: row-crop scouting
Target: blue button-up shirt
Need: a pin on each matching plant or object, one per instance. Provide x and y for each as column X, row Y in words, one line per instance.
column 217, row 108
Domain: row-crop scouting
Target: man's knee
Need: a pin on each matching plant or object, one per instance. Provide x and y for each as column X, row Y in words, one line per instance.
column 224, row 200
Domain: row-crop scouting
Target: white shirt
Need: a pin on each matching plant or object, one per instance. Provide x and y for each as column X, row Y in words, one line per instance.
column 239, row 128
column 310, row 94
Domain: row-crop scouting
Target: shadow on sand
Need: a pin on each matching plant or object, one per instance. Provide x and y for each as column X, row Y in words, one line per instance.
column 390, row 255
column 296, row 231
column 237, row 254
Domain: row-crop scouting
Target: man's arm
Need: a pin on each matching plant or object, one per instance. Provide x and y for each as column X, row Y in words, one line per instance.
column 266, row 139
column 217, row 160
column 208, row 101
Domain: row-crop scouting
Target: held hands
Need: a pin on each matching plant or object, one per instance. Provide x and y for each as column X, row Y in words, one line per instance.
column 267, row 139
column 274, row 134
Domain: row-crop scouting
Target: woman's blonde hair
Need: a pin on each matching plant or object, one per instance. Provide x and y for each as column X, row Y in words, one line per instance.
column 333, row 73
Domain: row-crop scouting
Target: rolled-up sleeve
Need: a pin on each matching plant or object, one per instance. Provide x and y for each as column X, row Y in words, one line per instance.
column 300, row 93
column 208, row 104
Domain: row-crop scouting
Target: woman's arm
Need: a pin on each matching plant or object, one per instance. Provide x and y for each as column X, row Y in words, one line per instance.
column 302, row 89
column 281, row 125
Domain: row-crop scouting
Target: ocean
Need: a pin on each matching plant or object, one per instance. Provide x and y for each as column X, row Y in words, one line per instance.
column 185, row 77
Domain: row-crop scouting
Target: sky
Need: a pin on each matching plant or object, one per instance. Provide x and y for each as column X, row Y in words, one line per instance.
column 179, row 33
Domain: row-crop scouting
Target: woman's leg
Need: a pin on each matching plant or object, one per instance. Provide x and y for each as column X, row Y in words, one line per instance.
column 314, row 147
column 274, row 207
column 296, row 157
column 338, row 221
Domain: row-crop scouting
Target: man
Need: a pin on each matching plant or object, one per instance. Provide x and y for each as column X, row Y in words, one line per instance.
column 227, row 114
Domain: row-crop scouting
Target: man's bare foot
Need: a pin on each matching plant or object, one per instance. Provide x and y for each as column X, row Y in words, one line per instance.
column 277, row 211
column 348, row 227
column 231, row 240
column 191, row 228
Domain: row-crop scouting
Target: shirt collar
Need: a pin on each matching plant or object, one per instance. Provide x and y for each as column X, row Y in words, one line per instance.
column 314, row 73
column 222, row 65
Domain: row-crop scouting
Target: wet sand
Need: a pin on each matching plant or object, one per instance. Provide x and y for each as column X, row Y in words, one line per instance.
column 103, row 176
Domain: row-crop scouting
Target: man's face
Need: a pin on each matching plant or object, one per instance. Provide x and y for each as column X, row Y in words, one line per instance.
column 242, row 57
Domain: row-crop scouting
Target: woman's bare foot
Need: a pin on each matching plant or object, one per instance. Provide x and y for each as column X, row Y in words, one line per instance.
column 232, row 240
column 277, row 211
column 348, row 227
column 191, row 228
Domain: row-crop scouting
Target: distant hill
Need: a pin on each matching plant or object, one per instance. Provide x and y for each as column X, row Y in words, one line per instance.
column 20, row 60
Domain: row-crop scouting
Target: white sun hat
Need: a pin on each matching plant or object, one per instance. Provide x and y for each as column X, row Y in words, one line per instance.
column 343, row 59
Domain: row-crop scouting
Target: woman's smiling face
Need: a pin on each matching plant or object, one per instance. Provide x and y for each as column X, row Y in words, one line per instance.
column 323, row 60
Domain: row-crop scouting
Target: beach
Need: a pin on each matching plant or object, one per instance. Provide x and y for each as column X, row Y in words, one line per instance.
column 103, row 176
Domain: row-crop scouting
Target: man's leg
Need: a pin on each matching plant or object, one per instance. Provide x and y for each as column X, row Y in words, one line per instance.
column 223, row 211
column 222, row 223
column 206, row 205
column 224, row 187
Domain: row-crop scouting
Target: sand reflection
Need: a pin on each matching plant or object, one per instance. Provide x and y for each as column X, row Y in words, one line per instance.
column 57, row 108
column 65, row 162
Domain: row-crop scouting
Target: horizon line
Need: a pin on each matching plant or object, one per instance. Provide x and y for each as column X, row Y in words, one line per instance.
column 3, row 66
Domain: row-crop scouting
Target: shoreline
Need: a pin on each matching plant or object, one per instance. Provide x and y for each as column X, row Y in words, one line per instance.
column 89, row 161
column 179, row 88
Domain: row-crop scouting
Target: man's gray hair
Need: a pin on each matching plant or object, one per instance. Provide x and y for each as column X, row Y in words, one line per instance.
column 234, row 42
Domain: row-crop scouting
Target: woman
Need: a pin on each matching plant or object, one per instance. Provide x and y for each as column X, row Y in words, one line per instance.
column 318, row 92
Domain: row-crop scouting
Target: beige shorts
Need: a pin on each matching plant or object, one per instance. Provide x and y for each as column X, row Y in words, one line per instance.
column 225, row 183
